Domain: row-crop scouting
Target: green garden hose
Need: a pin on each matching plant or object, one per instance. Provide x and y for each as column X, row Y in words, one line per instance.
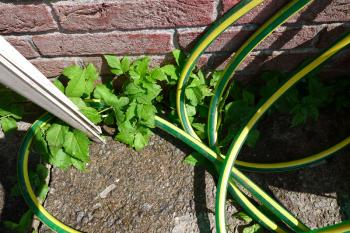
column 230, row 176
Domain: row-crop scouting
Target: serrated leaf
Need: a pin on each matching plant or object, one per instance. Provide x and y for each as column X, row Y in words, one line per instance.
column 170, row 71
column 73, row 72
column 114, row 63
column 77, row 145
column 91, row 73
column 56, row 134
column 125, row 137
column 8, row 124
column 59, row 158
column 76, row 86
column 157, row 74
column 80, row 165
column 105, row 94
column 131, row 111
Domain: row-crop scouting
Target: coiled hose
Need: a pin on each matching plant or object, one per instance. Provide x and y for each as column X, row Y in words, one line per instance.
column 230, row 175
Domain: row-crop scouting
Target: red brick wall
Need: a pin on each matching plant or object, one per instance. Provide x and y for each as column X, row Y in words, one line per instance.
column 54, row 35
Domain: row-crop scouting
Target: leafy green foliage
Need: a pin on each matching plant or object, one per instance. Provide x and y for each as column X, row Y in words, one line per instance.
column 11, row 109
column 62, row 146
column 134, row 108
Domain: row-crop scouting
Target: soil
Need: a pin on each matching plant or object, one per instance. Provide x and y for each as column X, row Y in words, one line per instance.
column 154, row 191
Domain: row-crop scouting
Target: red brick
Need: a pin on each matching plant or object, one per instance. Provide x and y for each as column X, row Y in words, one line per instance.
column 51, row 67
column 259, row 14
column 290, row 38
column 228, row 41
column 104, row 43
column 324, row 11
column 134, row 14
column 25, row 18
column 228, row 4
column 23, row 45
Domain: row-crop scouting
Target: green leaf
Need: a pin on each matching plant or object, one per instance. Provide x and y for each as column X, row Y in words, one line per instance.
column 125, row 64
column 131, row 111
column 80, row 165
column 92, row 114
column 140, row 141
column 106, row 95
column 76, row 86
column 73, row 72
column 157, row 74
column 256, row 228
column 126, row 135
column 59, row 158
column 179, row 57
column 243, row 216
column 56, row 134
column 114, row 63
column 77, row 145
column 40, row 144
column 8, row 124
column 91, row 73
column 215, row 77
column 59, row 85
column 196, row 159
column 170, row 71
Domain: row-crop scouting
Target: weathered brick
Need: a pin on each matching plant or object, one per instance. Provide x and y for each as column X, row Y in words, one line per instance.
column 134, row 14
column 324, row 11
column 51, row 67
column 23, row 45
column 290, row 38
column 25, row 18
column 104, row 43
column 227, row 4
column 228, row 41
